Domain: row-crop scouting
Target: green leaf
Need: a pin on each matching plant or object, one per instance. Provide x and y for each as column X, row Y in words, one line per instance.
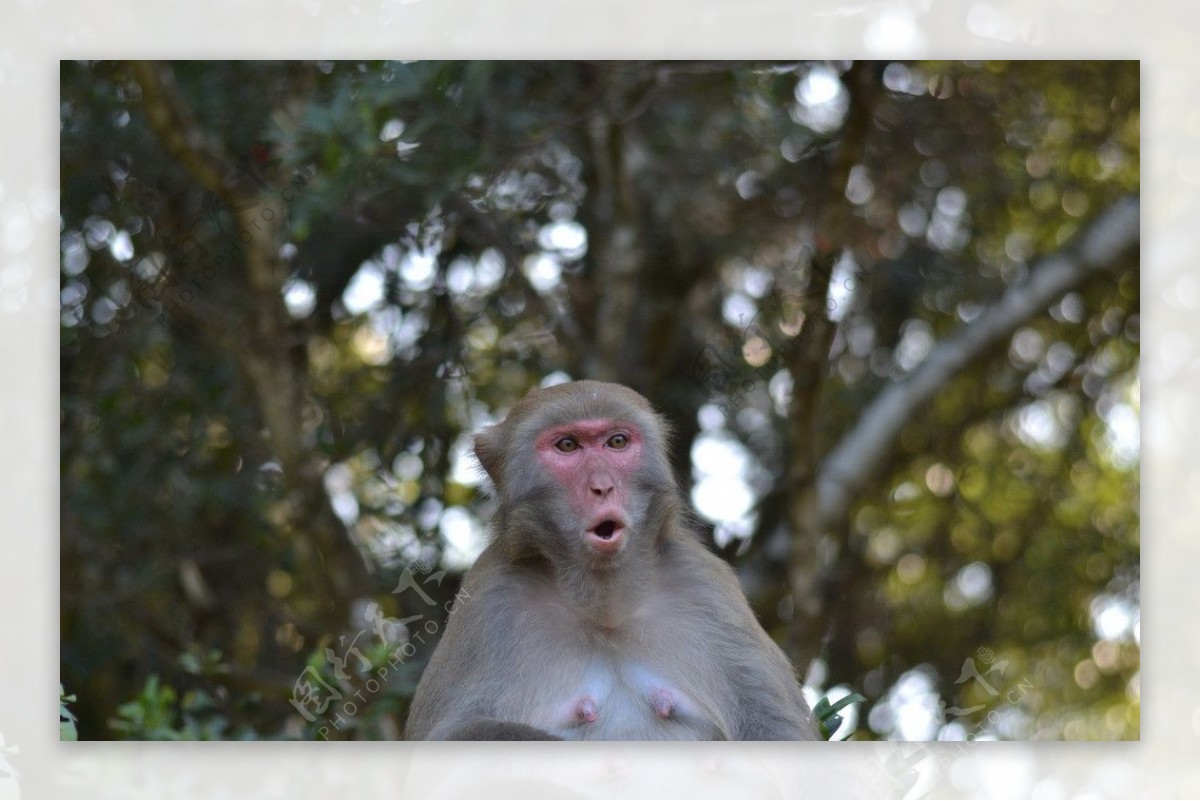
column 67, row 732
column 827, row 713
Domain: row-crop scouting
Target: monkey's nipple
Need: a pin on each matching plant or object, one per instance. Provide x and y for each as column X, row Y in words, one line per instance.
column 585, row 710
column 662, row 702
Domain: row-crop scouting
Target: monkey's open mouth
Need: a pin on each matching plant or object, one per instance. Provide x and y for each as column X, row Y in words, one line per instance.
column 605, row 530
column 605, row 537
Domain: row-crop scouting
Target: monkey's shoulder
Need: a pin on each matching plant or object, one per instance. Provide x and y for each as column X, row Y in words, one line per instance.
column 515, row 599
column 691, row 572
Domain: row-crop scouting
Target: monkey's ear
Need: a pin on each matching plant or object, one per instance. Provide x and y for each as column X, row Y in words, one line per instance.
column 489, row 449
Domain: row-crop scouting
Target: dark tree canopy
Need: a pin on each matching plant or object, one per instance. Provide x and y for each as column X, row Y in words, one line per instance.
column 891, row 310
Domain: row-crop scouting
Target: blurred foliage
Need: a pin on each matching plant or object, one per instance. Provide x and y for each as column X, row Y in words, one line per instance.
column 449, row 239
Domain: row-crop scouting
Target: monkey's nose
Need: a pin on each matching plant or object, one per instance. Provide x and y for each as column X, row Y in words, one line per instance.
column 601, row 487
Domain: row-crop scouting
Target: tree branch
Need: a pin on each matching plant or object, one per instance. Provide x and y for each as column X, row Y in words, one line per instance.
column 807, row 362
column 260, row 340
column 857, row 457
column 203, row 157
column 618, row 254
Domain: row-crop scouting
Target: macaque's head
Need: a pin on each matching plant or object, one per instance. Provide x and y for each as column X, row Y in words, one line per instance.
column 576, row 467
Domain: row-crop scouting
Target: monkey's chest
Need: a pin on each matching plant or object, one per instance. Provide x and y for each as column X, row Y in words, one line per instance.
column 621, row 699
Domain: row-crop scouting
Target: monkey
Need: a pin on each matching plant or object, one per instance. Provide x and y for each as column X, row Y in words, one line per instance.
column 595, row 612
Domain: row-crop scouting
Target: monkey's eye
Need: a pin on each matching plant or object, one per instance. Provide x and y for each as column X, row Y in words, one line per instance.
column 567, row 444
column 618, row 442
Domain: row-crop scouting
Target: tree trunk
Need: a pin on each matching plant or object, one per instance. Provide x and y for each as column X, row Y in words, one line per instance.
column 260, row 340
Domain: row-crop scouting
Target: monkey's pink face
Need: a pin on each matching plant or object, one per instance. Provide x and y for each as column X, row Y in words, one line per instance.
column 594, row 461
